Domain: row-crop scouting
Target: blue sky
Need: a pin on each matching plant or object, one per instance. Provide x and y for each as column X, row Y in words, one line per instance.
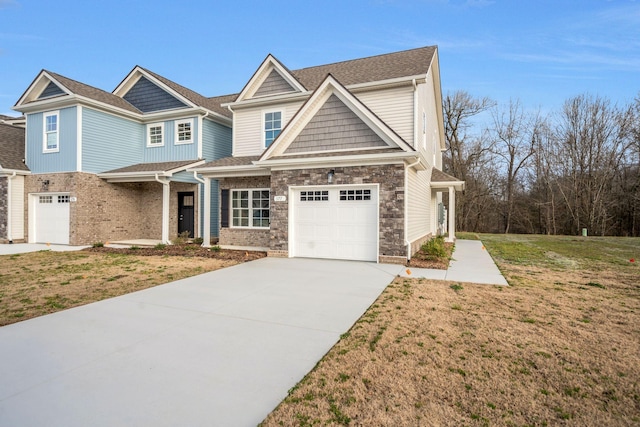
column 539, row 51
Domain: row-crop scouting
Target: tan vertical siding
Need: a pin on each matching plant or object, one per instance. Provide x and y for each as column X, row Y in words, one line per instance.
column 16, row 216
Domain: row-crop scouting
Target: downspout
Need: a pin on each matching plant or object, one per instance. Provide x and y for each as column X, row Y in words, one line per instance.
column 9, row 227
column 165, row 209
column 416, row 119
column 200, row 133
column 406, row 206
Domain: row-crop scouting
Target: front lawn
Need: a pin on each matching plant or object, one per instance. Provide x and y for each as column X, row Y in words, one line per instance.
column 560, row 346
column 33, row 284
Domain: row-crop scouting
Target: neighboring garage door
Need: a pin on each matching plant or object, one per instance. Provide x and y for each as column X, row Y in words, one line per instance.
column 339, row 222
column 51, row 218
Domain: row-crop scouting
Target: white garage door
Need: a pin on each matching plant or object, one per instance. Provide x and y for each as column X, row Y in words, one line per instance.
column 339, row 222
column 51, row 218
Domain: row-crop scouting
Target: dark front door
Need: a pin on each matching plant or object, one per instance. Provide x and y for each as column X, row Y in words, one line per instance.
column 186, row 213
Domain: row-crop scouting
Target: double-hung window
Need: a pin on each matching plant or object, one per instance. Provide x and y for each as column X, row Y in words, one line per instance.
column 272, row 126
column 250, row 208
column 155, row 135
column 184, row 131
column 51, row 138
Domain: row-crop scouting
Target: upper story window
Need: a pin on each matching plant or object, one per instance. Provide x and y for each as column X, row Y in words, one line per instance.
column 51, row 135
column 184, row 131
column 272, row 126
column 155, row 135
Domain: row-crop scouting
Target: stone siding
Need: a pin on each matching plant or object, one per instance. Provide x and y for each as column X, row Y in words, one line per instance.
column 4, row 207
column 391, row 199
column 109, row 211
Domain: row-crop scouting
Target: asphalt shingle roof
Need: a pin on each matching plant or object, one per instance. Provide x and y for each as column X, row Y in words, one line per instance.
column 12, row 147
column 93, row 93
column 374, row 68
column 158, row 167
column 212, row 103
column 438, row 176
column 230, row 161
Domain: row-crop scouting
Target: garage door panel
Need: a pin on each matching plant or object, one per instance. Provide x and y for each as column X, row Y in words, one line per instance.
column 51, row 216
column 334, row 228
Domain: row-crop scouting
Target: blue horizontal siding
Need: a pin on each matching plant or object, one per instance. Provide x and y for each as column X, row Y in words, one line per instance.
column 110, row 142
column 215, row 209
column 65, row 159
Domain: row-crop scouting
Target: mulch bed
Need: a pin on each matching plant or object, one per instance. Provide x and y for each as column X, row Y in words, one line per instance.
column 188, row 250
column 423, row 260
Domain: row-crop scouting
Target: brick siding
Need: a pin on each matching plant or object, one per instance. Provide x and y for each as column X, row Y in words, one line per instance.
column 110, row 211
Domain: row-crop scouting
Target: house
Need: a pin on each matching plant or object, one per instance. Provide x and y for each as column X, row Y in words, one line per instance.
column 108, row 166
column 335, row 161
column 12, row 176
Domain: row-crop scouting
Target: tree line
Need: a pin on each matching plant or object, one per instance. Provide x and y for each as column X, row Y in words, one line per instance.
column 559, row 173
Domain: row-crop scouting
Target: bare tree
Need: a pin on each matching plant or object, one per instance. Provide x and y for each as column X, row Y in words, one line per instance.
column 466, row 154
column 514, row 144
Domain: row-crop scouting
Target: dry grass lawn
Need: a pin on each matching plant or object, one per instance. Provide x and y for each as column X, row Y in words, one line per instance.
column 34, row 284
column 560, row 346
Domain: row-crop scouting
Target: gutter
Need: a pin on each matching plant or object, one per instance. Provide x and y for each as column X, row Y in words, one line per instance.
column 406, row 207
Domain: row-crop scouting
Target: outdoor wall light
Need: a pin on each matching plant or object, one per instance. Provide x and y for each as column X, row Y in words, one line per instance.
column 330, row 175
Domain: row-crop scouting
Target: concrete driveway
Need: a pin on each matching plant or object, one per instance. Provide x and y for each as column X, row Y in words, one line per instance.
column 20, row 248
column 219, row 349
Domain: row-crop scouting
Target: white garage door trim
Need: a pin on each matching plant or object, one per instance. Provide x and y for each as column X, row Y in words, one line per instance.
column 368, row 218
column 49, row 215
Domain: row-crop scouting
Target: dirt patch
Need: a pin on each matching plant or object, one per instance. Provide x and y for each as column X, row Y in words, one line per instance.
column 558, row 347
column 44, row 282
column 190, row 251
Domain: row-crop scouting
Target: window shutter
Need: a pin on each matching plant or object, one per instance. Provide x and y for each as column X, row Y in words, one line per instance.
column 224, row 208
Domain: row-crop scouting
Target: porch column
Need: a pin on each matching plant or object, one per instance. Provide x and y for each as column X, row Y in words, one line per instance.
column 165, row 211
column 206, row 238
column 452, row 215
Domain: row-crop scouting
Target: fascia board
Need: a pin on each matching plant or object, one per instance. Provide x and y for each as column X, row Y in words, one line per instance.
column 383, row 158
column 5, row 172
column 170, row 172
column 379, row 84
column 458, row 185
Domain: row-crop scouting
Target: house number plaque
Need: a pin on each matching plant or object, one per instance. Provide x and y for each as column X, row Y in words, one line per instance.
column 280, row 198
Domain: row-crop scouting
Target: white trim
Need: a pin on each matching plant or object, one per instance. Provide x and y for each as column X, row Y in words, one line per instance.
column 201, row 135
column 44, row 131
column 176, row 131
column 79, row 138
column 249, row 207
column 330, row 86
column 148, row 130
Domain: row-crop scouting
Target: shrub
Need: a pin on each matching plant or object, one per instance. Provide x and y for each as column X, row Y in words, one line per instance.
column 160, row 246
column 98, row 245
column 435, row 247
column 215, row 248
column 198, row 240
column 182, row 238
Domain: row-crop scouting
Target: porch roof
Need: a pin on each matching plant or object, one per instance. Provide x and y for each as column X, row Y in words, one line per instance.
column 231, row 167
column 141, row 172
column 443, row 180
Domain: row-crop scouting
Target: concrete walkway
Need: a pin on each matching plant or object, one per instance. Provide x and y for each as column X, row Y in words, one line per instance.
column 471, row 263
column 218, row 349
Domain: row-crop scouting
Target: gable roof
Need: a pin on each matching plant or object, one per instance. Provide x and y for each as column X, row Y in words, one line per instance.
column 264, row 71
column 71, row 87
column 329, row 88
column 12, row 148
